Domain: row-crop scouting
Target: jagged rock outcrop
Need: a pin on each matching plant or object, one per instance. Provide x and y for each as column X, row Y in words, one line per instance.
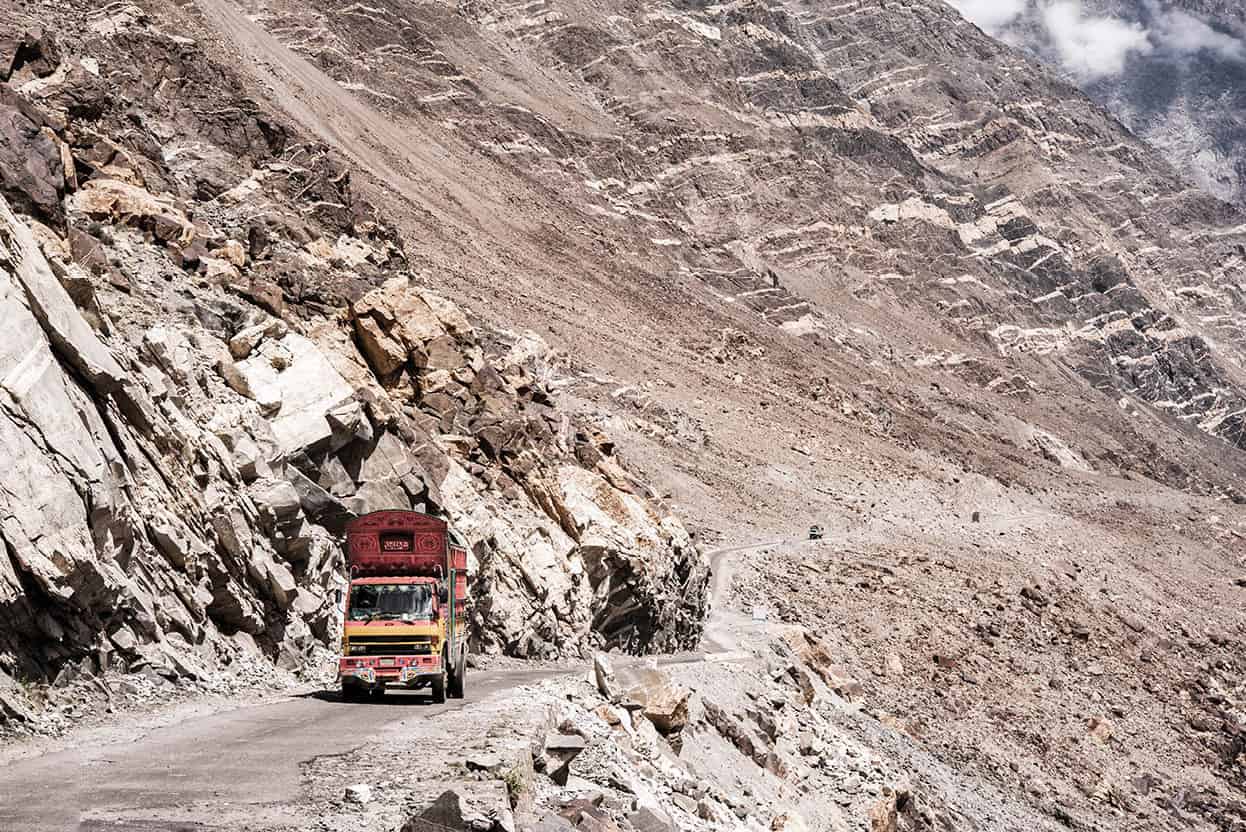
column 191, row 412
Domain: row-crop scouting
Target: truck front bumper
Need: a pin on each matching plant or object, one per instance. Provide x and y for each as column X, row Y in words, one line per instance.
column 374, row 671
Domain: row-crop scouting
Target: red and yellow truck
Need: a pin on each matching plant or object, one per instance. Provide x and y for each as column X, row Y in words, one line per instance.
column 406, row 607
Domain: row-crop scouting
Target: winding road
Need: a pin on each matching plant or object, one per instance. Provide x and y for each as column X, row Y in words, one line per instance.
column 250, row 756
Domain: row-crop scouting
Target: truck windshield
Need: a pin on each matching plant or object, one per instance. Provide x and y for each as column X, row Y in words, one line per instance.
column 404, row 602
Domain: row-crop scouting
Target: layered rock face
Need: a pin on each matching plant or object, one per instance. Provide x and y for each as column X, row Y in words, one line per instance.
column 819, row 168
column 215, row 355
column 1173, row 72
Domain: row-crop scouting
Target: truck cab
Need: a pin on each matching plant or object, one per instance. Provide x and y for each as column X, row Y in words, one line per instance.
column 405, row 622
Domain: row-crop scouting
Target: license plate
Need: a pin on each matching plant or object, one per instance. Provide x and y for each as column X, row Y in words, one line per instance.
column 387, row 662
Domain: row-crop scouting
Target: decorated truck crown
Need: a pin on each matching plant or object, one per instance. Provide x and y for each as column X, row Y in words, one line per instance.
column 396, row 543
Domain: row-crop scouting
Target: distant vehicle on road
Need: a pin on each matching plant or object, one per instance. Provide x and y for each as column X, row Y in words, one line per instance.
column 406, row 606
column 815, row 532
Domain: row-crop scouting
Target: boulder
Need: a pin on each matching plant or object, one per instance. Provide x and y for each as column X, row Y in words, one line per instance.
column 349, row 424
column 233, row 532
column 172, row 351
column 449, row 315
column 558, row 752
column 277, row 500
column 440, row 353
column 446, row 812
column 399, row 312
column 603, row 675
column 385, row 354
column 231, row 252
column 171, row 542
column 32, row 163
column 281, row 584
column 662, row 702
column 131, row 205
column 88, row 252
column 13, row 705
column 36, row 49
column 259, row 384
column 308, row 388
column 359, row 793
column 246, row 340
column 318, row 505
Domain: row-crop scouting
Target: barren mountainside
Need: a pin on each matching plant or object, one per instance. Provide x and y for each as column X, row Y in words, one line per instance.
column 619, row 287
column 1172, row 72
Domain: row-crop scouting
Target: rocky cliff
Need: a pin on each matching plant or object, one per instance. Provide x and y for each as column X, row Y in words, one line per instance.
column 216, row 354
column 1172, row 72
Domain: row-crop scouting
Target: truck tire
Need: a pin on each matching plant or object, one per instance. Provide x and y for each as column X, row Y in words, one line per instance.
column 457, row 680
column 352, row 693
column 439, row 689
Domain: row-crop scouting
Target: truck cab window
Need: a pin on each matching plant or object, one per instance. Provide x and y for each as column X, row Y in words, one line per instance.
column 396, row 602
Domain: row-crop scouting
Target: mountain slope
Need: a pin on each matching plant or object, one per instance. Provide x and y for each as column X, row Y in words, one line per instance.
column 857, row 265
column 1171, row 70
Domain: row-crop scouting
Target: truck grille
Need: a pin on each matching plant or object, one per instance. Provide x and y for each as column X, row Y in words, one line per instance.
column 389, row 646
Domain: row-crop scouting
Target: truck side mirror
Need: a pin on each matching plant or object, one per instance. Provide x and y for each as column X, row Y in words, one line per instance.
column 443, row 594
column 337, row 597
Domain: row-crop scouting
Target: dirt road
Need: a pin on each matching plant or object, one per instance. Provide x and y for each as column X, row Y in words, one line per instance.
column 246, row 761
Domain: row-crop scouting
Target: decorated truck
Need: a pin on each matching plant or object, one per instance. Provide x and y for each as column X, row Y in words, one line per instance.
column 405, row 619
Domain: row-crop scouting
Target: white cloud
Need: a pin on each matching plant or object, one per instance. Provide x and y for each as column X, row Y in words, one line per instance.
column 993, row 16
column 1183, row 33
column 1092, row 47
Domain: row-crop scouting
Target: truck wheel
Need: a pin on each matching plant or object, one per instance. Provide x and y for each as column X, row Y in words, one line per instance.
column 457, row 680
column 352, row 693
column 439, row 688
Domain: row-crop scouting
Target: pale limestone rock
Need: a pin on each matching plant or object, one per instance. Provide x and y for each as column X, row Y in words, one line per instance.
column 172, row 351
column 132, row 205
column 603, row 675
column 232, row 252
column 385, row 354
column 450, row 315
column 308, row 389
column 246, row 340
column 281, row 583
column 220, row 272
column 351, row 252
column 61, row 321
column 43, row 517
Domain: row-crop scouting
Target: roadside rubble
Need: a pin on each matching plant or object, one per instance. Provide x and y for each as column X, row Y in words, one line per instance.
column 753, row 742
